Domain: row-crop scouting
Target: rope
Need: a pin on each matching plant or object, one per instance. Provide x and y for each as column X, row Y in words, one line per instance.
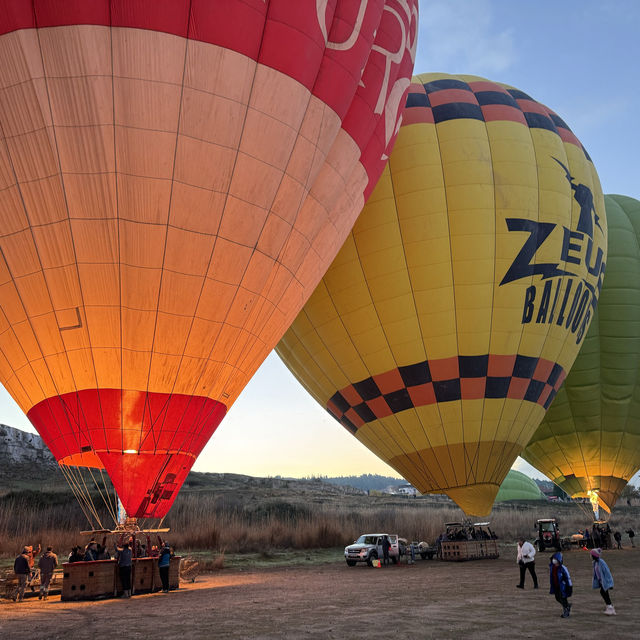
column 77, row 492
column 87, row 493
column 104, row 495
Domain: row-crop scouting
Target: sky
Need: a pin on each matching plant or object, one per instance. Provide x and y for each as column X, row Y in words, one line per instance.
column 580, row 58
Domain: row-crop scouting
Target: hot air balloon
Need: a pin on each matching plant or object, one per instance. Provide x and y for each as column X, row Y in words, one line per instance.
column 589, row 440
column 175, row 178
column 518, row 486
column 446, row 324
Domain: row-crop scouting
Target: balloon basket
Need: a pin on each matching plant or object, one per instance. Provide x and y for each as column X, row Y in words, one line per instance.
column 101, row 579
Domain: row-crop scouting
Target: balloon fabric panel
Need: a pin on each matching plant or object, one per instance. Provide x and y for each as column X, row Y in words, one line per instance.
column 174, row 180
column 446, row 325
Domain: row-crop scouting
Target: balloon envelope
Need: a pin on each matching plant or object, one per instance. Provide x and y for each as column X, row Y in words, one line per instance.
column 518, row 486
column 590, row 438
column 175, row 178
column 447, row 322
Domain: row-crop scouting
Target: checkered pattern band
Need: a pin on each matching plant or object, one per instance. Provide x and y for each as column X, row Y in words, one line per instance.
column 450, row 99
column 457, row 378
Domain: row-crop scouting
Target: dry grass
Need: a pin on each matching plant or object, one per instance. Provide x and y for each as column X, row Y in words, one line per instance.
column 234, row 524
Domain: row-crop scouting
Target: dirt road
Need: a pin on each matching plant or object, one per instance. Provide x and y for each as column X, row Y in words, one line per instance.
column 430, row 599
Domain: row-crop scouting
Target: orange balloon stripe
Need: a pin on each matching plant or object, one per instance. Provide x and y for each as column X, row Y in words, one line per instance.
column 459, row 378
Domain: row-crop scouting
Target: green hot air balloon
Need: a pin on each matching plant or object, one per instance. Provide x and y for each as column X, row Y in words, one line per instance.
column 589, row 440
column 518, row 486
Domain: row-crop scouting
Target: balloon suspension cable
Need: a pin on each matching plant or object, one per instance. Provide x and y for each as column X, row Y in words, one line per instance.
column 66, row 472
column 593, row 498
column 82, row 481
column 82, row 495
column 110, row 501
column 103, row 494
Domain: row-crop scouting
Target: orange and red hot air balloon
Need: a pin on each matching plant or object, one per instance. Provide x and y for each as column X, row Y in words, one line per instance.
column 175, row 178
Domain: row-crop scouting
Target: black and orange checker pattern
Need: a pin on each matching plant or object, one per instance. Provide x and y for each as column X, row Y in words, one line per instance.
column 458, row 378
column 450, row 99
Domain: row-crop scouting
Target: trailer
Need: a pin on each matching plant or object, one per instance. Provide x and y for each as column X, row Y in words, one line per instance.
column 460, row 550
column 468, row 541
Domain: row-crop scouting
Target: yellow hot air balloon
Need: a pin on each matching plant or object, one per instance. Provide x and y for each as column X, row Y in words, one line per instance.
column 589, row 441
column 175, row 178
column 447, row 322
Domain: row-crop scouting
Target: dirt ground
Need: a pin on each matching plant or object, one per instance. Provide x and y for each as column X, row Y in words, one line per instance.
column 430, row 599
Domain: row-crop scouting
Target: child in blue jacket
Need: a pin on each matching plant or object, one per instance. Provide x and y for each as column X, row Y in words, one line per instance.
column 561, row 585
column 603, row 580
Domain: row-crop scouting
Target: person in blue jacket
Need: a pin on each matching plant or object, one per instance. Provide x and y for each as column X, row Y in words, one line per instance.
column 561, row 585
column 603, row 580
column 164, row 561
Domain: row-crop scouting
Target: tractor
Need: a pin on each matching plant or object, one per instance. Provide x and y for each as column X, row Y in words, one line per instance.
column 548, row 535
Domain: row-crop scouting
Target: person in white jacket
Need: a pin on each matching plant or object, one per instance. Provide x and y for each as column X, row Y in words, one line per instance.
column 526, row 561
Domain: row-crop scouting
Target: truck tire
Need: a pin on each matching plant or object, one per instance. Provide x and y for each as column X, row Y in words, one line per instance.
column 351, row 563
column 423, row 555
column 395, row 559
column 372, row 556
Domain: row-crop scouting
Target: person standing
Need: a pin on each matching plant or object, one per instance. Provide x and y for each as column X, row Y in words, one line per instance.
column 164, row 562
column 32, row 552
column 386, row 545
column 76, row 554
column 124, row 560
column 617, row 536
column 91, row 551
column 47, row 563
column 526, row 561
column 603, row 580
column 412, row 552
column 561, row 585
column 631, row 533
column 22, row 570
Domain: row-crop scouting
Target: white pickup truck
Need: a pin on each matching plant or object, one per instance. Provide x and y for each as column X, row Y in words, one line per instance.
column 368, row 547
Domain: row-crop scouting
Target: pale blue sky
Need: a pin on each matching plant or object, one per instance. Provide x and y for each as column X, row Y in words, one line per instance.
column 579, row 57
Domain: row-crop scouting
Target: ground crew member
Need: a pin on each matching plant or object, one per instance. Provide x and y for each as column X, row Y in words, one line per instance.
column 22, row 569
column 526, row 561
column 47, row 563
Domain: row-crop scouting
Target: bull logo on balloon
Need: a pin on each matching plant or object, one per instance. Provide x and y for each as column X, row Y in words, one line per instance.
column 560, row 301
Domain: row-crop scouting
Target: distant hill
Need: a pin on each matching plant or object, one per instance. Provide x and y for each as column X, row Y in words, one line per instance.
column 27, row 464
column 366, row 481
column 18, row 447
